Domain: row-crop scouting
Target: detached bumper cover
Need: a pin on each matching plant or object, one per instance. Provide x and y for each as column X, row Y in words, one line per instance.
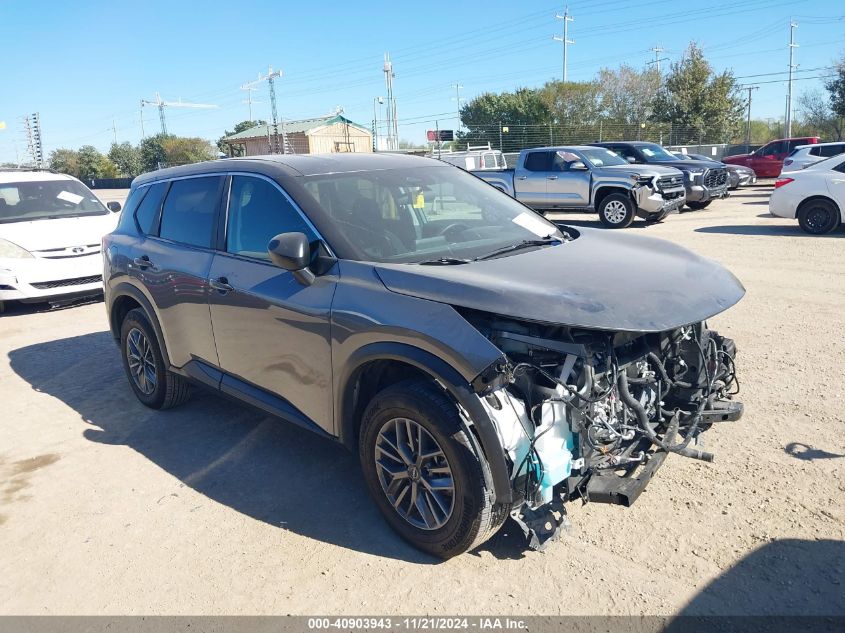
column 651, row 201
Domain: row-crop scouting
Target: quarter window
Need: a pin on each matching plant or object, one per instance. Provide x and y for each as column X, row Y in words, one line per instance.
column 189, row 210
column 258, row 211
column 147, row 214
column 831, row 150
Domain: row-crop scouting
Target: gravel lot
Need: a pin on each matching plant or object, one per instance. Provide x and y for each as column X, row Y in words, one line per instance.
column 213, row 508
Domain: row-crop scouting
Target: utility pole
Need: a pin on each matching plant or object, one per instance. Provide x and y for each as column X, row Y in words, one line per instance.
column 249, row 100
column 269, row 78
column 565, row 39
column 657, row 59
column 142, row 120
column 792, row 46
column 376, row 102
column 161, row 104
column 458, row 99
column 748, row 119
column 114, row 131
column 392, row 124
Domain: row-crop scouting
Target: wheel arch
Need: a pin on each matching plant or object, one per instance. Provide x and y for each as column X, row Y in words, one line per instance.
column 379, row 365
column 605, row 190
column 815, row 198
column 125, row 297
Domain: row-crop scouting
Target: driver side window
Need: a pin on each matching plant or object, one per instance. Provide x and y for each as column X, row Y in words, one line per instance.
column 772, row 149
column 258, row 211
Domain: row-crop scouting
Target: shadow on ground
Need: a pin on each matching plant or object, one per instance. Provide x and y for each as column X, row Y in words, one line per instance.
column 805, row 452
column 790, row 577
column 763, row 229
column 234, row 455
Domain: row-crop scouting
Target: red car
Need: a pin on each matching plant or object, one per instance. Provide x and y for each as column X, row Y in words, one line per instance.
column 768, row 160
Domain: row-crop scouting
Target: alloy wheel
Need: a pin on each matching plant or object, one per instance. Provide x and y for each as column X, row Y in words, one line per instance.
column 139, row 355
column 818, row 218
column 414, row 474
column 615, row 212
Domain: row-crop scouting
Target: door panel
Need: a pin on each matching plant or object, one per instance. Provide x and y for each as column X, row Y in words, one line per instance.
column 531, row 181
column 568, row 187
column 274, row 332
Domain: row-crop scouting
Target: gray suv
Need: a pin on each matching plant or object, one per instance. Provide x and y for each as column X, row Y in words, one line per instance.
column 482, row 361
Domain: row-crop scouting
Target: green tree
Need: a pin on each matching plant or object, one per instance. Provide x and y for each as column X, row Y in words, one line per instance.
column 126, row 158
column 700, row 104
column 152, row 152
column 180, row 150
column 836, row 88
column 574, row 103
column 65, row 161
column 627, row 95
column 240, row 149
column 816, row 114
column 90, row 162
column 523, row 112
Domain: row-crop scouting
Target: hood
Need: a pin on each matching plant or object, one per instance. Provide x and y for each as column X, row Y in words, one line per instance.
column 602, row 280
column 686, row 165
column 736, row 159
column 644, row 169
column 41, row 235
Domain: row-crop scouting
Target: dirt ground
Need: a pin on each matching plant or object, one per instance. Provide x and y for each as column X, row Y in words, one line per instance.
column 107, row 507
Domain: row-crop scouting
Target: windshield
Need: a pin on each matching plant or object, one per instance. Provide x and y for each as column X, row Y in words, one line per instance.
column 654, row 152
column 46, row 199
column 601, row 157
column 414, row 215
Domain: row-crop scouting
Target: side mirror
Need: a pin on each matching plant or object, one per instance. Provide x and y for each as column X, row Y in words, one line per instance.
column 631, row 159
column 113, row 206
column 292, row 252
column 577, row 166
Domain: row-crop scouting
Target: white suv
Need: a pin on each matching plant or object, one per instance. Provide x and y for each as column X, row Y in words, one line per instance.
column 51, row 228
column 806, row 155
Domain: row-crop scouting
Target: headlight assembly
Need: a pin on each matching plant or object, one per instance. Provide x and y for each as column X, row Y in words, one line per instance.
column 9, row 249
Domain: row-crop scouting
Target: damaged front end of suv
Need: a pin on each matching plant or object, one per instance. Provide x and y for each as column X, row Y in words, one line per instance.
column 592, row 415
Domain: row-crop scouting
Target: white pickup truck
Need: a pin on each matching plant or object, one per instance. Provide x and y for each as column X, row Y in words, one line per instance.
column 579, row 177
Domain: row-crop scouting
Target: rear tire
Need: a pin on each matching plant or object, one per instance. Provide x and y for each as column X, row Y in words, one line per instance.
column 819, row 217
column 616, row 211
column 455, row 511
column 698, row 206
column 154, row 385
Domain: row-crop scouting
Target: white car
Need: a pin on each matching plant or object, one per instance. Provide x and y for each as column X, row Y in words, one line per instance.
column 51, row 228
column 805, row 155
column 814, row 195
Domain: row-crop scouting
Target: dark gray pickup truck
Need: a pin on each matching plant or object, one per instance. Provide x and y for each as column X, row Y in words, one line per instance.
column 580, row 177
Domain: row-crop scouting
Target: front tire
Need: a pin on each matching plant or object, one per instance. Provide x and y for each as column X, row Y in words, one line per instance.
column 154, row 385
column 422, row 471
column 616, row 211
column 698, row 206
column 818, row 217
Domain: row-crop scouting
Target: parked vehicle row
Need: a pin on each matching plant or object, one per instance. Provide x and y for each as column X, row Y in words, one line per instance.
column 805, row 155
column 481, row 361
column 738, row 176
column 768, row 160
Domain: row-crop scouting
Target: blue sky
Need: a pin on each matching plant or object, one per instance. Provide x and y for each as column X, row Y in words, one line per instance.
column 83, row 65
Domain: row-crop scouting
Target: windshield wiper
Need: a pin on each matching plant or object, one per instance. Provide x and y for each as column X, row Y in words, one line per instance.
column 443, row 261
column 543, row 241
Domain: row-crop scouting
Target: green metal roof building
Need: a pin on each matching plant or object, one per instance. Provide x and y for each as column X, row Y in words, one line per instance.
column 322, row 135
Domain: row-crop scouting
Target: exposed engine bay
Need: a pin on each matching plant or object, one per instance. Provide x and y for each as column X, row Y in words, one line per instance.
column 591, row 415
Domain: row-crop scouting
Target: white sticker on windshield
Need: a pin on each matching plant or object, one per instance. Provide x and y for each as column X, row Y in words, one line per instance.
column 534, row 224
column 70, row 197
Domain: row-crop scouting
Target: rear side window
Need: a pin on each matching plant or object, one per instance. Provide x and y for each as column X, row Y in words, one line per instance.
column 147, row 214
column 538, row 161
column 814, row 151
column 831, row 150
column 258, row 211
column 189, row 210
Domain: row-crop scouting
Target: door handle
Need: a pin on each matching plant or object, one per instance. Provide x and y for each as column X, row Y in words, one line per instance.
column 551, row 177
column 221, row 284
column 142, row 262
column 522, row 177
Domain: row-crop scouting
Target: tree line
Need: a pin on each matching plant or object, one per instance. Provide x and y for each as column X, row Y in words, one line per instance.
column 128, row 160
column 689, row 104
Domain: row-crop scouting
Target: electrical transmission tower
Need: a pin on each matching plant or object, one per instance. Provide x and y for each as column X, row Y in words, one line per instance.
column 792, row 66
column 565, row 39
column 34, row 146
column 270, row 77
column 161, row 105
column 392, row 140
